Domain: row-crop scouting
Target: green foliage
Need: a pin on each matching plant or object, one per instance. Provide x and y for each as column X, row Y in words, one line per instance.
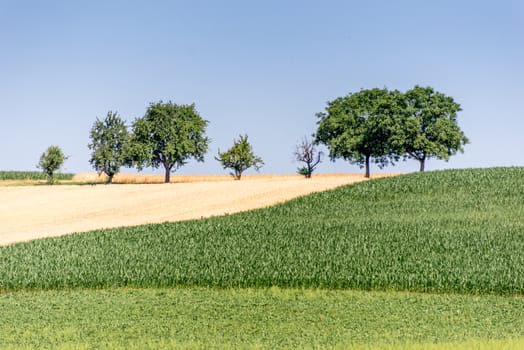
column 239, row 157
column 451, row 231
column 32, row 175
column 384, row 126
column 305, row 171
column 50, row 161
column 204, row 318
column 307, row 153
column 428, row 127
column 109, row 140
column 357, row 127
column 168, row 135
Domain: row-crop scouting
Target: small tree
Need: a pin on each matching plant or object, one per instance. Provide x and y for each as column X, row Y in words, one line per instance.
column 168, row 135
column 109, row 139
column 239, row 157
column 51, row 161
column 307, row 153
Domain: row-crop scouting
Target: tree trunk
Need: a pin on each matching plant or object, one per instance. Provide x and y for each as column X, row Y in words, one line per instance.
column 422, row 163
column 110, row 179
column 168, row 175
column 309, row 171
column 238, row 174
column 367, row 166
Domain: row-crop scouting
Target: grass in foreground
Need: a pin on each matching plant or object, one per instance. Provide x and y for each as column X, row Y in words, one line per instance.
column 254, row 318
column 451, row 231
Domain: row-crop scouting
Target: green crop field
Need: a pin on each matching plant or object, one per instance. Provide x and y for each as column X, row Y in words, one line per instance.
column 31, row 175
column 272, row 318
column 441, row 251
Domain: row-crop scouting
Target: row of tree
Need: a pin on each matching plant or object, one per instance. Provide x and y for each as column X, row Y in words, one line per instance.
column 374, row 125
column 167, row 136
column 384, row 126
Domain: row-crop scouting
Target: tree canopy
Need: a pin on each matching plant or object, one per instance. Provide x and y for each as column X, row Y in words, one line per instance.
column 239, row 157
column 428, row 126
column 383, row 126
column 357, row 127
column 109, row 140
column 168, row 135
column 51, row 161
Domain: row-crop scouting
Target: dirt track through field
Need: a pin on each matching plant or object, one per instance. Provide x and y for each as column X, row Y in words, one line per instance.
column 30, row 212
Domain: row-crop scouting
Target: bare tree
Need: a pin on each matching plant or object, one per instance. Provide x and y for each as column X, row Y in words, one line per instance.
column 307, row 153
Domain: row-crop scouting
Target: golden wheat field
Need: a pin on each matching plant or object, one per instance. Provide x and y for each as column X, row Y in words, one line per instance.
column 30, row 212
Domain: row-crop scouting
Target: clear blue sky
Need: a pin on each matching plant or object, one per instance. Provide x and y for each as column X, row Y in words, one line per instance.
column 258, row 67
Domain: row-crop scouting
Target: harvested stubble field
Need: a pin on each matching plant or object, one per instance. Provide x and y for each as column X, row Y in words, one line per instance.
column 29, row 212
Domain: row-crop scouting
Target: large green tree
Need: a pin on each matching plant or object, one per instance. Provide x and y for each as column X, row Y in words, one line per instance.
column 428, row 126
column 239, row 157
column 168, row 135
column 51, row 161
column 358, row 127
column 109, row 141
